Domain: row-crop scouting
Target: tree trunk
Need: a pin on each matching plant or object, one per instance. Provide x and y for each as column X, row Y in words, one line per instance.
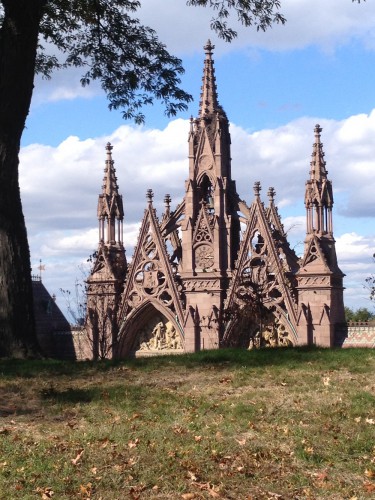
column 18, row 46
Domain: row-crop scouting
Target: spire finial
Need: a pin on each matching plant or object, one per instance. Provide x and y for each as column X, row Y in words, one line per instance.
column 271, row 194
column 318, row 129
column 209, row 100
column 110, row 186
column 208, row 48
column 167, row 200
column 167, row 204
column 149, row 195
column 257, row 188
column 318, row 165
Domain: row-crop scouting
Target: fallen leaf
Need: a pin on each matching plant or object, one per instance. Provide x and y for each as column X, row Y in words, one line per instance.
column 241, row 442
column 45, row 493
column 370, row 421
column 188, row 496
column 78, row 457
column 357, row 419
column 369, row 473
column 198, row 439
column 133, row 444
column 179, row 430
column 104, row 442
column 322, row 476
column 86, row 490
column 192, row 476
column 369, row 487
column 326, row 381
column 225, row 380
column 213, row 494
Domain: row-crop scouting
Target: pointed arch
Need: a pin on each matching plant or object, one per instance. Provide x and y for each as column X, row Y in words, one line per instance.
column 150, row 329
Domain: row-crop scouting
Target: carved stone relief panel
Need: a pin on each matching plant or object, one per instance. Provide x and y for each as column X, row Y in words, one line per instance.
column 158, row 335
column 192, row 285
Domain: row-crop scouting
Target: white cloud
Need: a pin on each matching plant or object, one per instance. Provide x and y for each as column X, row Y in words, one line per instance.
column 184, row 30
column 325, row 24
column 353, row 248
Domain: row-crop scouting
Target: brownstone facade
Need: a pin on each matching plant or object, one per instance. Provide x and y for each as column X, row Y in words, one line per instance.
column 215, row 271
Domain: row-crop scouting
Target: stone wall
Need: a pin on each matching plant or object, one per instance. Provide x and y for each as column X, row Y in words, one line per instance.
column 361, row 334
column 67, row 344
column 73, row 344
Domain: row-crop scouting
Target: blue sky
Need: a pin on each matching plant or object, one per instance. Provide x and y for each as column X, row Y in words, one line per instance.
column 274, row 86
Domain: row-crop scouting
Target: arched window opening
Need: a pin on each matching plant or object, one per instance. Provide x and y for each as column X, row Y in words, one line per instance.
column 207, row 194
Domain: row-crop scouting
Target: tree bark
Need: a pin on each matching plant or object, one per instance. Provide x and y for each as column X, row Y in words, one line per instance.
column 18, row 46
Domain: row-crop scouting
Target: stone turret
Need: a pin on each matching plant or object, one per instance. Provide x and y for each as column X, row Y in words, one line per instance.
column 320, row 281
column 106, row 281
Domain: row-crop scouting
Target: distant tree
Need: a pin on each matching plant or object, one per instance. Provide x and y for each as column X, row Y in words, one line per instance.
column 360, row 314
column 133, row 67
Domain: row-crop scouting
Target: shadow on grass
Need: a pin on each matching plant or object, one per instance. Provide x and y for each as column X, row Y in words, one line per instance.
column 69, row 395
column 356, row 360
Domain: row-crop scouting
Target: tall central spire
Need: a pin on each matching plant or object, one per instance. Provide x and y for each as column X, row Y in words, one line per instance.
column 209, row 100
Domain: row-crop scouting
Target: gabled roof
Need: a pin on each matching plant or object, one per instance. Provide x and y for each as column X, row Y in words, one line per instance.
column 151, row 277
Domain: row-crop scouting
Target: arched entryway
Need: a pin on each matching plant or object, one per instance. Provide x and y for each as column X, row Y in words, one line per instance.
column 151, row 331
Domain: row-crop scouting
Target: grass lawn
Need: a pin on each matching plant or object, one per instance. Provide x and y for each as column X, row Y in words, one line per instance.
column 267, row 424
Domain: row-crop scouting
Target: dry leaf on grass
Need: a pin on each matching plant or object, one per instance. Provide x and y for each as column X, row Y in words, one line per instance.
column 321, row 476
column 45, row 493
column 369, row 487
column 86, row 490
column 369, row 473
column 78, row 457
column 192, row 476
column 133, row 444
column 241, row 442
